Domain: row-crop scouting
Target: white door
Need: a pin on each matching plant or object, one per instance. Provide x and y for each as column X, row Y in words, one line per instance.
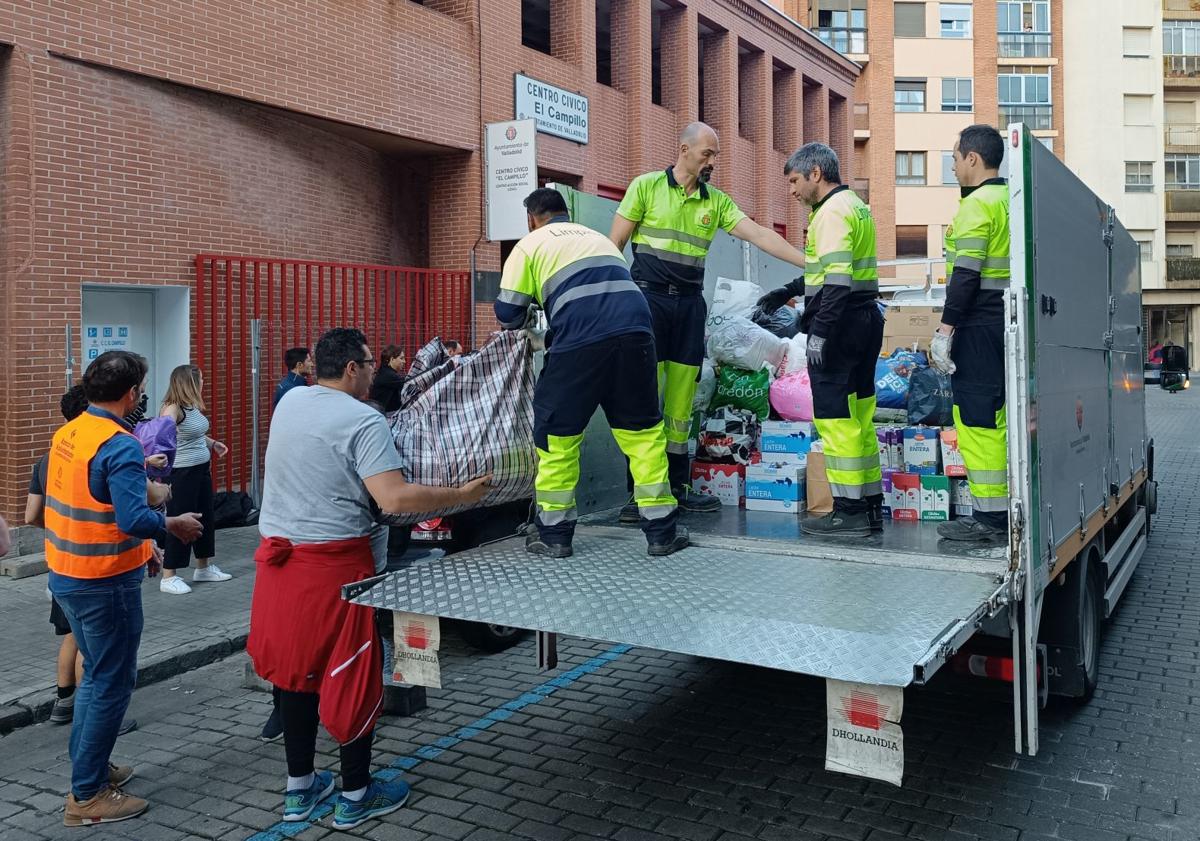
column 122, row 319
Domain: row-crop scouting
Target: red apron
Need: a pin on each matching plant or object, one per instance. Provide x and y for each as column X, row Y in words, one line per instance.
column 304, row 637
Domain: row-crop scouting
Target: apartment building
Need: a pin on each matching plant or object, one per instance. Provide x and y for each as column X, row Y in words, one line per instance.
column 929, row 70
column 1115, row 136
column 1172, row 301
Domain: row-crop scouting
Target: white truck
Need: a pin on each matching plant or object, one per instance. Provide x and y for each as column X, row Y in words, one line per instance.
column 882, row 613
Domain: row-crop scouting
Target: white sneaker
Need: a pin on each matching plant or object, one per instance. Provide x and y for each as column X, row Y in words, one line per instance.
column 174, row 585
column 212, row 572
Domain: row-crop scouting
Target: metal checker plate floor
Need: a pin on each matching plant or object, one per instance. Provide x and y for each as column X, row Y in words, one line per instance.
column 859, row 622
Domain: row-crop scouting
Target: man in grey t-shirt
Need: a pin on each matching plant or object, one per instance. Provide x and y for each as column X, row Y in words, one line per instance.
column 329, row 454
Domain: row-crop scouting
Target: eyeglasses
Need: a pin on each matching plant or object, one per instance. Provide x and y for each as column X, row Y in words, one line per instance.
column 370, row 362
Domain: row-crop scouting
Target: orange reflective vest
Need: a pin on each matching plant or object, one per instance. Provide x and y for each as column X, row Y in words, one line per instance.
column 82, row 538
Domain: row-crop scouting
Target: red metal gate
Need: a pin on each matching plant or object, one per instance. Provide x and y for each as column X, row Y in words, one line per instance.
column 296, row 301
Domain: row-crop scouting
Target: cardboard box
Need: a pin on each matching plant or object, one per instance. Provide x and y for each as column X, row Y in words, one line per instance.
column 906, row 496
column 922, row 455
column 727, row 482
column 794, row 437
column 816, row 485
column 960, row 498
column 935, row 498
column 775, row 487
column 952, row 460
column 906, row 327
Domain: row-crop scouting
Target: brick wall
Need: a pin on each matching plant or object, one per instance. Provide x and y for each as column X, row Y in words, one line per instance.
column 133, row 177
column 134, row 135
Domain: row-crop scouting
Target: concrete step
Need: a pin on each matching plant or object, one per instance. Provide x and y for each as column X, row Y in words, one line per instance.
column 23, row 566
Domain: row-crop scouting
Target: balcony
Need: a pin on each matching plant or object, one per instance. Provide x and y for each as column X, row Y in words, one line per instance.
column 1182, row 205
column 1181, row 71
column 1183, row 273
column 862, row 121
column 845, row 41
column 1182, row 137
column 1180, row 6
column 1024, row 44
column 1037, row 117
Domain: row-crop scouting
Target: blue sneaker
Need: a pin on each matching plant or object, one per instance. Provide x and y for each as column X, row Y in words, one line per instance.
column 381, row 799
column 299, row 803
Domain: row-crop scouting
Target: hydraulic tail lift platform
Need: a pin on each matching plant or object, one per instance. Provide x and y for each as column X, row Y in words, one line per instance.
column 891, row 609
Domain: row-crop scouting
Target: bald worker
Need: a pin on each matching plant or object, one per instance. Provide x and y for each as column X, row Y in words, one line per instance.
column 672, row 216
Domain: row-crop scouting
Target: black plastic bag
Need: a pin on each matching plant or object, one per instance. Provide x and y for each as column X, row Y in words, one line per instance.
column 233, row 508
column 930, row 398
column 783, row 322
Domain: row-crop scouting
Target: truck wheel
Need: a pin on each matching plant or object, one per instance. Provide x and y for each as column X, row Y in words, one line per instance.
column 1070, row 630
column 491, row 638
column 1090, row 623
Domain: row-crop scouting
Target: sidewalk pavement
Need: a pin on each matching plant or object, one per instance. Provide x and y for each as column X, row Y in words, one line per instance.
column 182, row 632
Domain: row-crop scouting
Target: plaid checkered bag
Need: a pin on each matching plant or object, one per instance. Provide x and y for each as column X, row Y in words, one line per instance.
column 461, row 418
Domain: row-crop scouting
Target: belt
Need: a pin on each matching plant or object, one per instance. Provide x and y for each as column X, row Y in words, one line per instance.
column 681, row 290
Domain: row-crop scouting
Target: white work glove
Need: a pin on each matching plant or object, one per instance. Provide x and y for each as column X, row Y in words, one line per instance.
column 939, row 353
column 815, row 352
column 535, row 328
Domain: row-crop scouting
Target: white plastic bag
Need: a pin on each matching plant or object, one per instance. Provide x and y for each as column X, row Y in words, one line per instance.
column 742, row 343
column 735, row 297
column 796, row 359
column 706, row 387
column 732, row 300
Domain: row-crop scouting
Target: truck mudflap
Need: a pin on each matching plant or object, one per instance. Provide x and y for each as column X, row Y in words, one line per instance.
column 763, row 603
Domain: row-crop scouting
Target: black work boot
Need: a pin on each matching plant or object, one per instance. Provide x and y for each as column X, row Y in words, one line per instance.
column 535, row 545
column 694, row 501
column 970, row 530
column 838, row 524
column 630, row 513
column 679, row 541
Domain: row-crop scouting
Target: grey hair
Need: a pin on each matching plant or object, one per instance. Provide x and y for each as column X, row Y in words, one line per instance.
column 817, row 155
column 693, row 131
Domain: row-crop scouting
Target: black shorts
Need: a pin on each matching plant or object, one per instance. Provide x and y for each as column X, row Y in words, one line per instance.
column 58, row 619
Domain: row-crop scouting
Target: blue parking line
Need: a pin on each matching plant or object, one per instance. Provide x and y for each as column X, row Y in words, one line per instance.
column 503, row 712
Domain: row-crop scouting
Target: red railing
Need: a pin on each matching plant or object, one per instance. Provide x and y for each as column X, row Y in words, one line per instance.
column 296, row 301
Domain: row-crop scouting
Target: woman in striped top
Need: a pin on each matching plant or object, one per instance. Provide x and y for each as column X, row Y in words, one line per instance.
column 191, row 480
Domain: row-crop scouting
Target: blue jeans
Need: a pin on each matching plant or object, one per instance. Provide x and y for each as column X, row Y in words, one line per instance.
column 106, row 617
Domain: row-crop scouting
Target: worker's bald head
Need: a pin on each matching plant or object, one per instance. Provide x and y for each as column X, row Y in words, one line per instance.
column 695, row 132
column 698, row 150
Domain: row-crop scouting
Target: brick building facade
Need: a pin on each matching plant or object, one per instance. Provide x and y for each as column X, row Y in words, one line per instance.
column 134, row 136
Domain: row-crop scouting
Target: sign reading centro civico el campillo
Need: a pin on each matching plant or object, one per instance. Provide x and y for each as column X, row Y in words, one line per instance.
column 556, row 110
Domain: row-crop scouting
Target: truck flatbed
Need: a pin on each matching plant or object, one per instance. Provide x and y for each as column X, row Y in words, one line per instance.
column 751, row 589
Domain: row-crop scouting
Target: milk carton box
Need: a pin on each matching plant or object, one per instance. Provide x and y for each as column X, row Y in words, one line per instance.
column 896, row 445
column 922, row 454
column 775, row 487
column 885, row 450
column 724, row 481
column 952, row 460
column 960, row 498
column 935, row 498
column 888, row 473
column 793, row 437
column 906, row 496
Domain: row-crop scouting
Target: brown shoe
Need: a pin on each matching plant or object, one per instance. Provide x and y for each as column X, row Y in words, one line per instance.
column 118, row 775
column 109, row 805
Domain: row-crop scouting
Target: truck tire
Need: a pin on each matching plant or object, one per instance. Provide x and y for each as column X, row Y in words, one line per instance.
column 491, row 638
column 1071, row 626
column 1091, row 621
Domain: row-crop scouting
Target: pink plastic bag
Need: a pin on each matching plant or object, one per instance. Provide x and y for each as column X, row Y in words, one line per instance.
column 791, row 397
